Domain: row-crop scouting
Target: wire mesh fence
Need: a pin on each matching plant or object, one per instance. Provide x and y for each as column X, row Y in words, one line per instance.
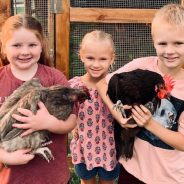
column 141, row 4
column 131, row 41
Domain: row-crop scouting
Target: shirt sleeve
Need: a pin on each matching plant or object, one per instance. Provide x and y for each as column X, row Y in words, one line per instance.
column 139, row 63
column 60, row 78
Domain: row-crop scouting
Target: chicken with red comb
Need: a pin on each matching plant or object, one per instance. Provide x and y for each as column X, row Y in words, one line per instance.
column 134, row 88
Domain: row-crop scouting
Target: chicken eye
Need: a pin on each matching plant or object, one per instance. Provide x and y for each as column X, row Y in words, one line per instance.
column 161, row 87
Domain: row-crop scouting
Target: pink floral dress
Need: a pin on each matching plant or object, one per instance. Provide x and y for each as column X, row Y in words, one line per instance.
column 95, row 145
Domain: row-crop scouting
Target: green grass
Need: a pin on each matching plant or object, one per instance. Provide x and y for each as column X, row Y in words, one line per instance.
column 74, row 178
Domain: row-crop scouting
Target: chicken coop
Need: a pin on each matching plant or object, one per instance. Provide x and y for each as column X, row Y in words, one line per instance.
column 66, row 21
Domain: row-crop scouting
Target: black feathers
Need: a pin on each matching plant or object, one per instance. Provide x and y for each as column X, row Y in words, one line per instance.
column 133, row 88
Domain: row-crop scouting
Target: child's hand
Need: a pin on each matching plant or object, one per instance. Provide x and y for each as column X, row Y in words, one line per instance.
column 33, row 122
column 141, row 115
column 75, row 134
column 121, row 120
column 18, row 157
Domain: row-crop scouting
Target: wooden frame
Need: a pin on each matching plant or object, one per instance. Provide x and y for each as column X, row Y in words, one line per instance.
column 101, row 15
column 70, row 14
column 111, row 15
column 62, row 38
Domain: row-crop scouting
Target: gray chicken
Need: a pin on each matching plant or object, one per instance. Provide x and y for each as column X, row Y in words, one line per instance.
column 58, row 100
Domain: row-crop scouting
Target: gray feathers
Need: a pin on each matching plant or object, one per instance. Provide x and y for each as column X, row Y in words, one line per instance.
column 58, row 100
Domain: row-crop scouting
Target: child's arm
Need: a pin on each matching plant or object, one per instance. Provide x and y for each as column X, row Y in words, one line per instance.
column 18, row 157
column 143, row 117
column 43, row 120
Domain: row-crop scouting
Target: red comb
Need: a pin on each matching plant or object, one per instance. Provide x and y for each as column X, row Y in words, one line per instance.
column 166, row 90
column 169, row 83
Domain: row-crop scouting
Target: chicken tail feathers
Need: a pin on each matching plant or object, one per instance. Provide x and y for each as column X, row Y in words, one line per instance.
column 11, row 134
column 127, row 148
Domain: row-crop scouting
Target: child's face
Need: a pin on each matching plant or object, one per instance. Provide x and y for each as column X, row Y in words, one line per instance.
column 23, row 49
column 97, row 57
column 169, row 44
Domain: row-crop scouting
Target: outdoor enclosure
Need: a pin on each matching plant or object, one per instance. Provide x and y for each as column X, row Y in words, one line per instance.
column 127, row 21
column 65, row 22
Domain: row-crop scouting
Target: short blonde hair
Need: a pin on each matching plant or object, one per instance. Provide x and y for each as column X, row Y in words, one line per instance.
column 171, row 13
column 99, row 36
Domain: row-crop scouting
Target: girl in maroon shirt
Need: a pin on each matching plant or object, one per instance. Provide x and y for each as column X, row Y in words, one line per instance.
column 24, row 56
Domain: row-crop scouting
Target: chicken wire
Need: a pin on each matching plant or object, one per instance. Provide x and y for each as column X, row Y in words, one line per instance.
column 41, row 11
column 131, row 41
column 141, row 4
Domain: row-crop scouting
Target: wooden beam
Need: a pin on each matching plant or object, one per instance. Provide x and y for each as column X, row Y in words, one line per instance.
column 51, row 31
column 103, row 15
column 62, row 38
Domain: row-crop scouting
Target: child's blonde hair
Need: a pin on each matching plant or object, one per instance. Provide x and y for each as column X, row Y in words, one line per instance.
column 171, row 13
column 18, row 21
column 99, row 36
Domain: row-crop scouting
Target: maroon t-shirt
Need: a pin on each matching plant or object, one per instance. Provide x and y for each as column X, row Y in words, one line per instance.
column 38, row 170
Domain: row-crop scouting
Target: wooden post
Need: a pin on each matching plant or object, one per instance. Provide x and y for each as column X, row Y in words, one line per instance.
column 62, row 38
column 120, row 15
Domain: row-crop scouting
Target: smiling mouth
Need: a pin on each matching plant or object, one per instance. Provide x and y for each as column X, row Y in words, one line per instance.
column 25, row 60
column 95, row 70
column 170, row 59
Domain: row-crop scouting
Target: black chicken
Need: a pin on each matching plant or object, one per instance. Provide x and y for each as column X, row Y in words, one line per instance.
column 58, row 100
column 134, row 88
